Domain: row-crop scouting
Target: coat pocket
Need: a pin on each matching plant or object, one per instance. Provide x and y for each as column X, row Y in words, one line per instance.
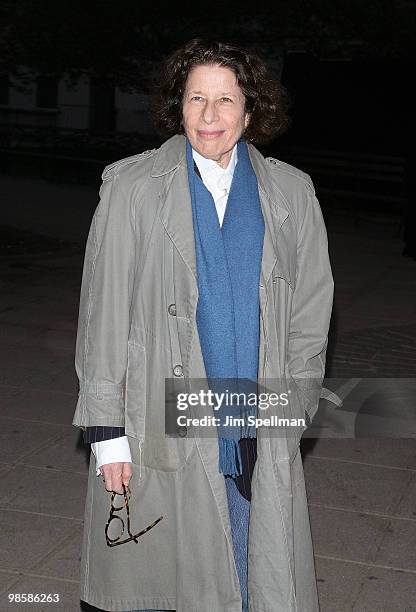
column 145, row 408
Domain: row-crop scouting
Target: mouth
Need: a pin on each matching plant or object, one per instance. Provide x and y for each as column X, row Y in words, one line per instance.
column 210, row 135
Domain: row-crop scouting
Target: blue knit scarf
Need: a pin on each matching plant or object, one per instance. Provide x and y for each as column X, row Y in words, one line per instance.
column 228, row 261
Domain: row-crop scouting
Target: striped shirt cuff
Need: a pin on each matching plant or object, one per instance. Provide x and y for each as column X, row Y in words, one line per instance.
column 99, row 433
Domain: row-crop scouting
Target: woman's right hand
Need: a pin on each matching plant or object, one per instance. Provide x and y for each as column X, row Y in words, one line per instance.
column 115, row 475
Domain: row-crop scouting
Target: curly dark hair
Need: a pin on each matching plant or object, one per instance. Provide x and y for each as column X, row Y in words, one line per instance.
column 265, row 98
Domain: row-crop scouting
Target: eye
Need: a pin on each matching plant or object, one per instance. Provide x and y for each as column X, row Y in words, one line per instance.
column 196, row 98
column 225, row 99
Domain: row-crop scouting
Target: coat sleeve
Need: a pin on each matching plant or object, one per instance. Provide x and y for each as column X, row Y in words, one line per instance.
column 104, row 319
column 311, row 307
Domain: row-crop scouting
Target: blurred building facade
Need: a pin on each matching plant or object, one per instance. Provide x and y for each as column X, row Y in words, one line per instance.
column 89, row 104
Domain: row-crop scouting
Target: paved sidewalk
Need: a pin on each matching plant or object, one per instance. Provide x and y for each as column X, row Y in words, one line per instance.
column 362, row 492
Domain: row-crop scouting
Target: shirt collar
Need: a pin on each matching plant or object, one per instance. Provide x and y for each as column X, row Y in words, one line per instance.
column 209, row 166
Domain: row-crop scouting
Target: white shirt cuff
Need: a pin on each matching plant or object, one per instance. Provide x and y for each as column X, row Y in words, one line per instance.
column 111, row 451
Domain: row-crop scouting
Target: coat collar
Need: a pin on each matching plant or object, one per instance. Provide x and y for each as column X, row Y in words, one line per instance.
column 169, row 156
column 176, row 211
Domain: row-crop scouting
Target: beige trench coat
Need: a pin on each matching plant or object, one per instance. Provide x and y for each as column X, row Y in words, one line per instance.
column 139, row 262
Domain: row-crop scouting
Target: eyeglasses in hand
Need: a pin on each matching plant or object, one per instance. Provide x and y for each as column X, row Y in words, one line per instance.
column 114, row 517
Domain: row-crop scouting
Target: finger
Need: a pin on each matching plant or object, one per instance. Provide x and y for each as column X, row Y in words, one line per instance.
column 127, row 473
column 106, row 476
column 117, row 486
column 116, row 479
column 112, row 477
column 108, row 484
column 108, row 481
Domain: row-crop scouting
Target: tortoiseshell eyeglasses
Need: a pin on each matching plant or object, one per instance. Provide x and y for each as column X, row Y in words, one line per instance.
column 113, row 509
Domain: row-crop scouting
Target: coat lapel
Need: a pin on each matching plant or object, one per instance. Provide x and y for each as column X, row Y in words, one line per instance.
column 176, row 209
column 275, row 253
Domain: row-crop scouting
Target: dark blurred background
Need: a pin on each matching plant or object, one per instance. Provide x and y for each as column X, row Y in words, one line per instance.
column 76, row 80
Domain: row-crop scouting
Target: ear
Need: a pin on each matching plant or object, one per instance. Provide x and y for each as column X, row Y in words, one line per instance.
column 247, row 120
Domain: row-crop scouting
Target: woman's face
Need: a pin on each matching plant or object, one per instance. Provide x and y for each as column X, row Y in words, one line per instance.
column 213, row 112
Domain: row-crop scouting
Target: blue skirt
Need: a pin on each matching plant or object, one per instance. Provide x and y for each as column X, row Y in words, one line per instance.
column 239, row 511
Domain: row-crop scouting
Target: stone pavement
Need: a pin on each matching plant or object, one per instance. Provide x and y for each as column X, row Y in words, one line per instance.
column 362, row 492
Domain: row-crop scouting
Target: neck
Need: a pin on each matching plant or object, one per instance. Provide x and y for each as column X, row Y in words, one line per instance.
column 224, row 160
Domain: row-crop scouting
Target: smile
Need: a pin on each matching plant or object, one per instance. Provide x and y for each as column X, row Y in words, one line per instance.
column 210, row 135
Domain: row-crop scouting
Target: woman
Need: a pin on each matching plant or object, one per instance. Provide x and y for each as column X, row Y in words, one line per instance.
column 204, row 261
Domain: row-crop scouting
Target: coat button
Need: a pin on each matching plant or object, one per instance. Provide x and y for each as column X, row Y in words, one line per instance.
column 172, row 310
column 178, row 370
column 182, row 431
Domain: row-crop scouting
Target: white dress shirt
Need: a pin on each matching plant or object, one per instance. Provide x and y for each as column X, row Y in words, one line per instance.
column 218, row 181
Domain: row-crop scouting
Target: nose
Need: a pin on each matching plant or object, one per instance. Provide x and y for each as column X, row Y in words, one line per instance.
column 209, row 113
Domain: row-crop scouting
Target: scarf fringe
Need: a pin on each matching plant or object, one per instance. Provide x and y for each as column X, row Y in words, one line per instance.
column 229, row 457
